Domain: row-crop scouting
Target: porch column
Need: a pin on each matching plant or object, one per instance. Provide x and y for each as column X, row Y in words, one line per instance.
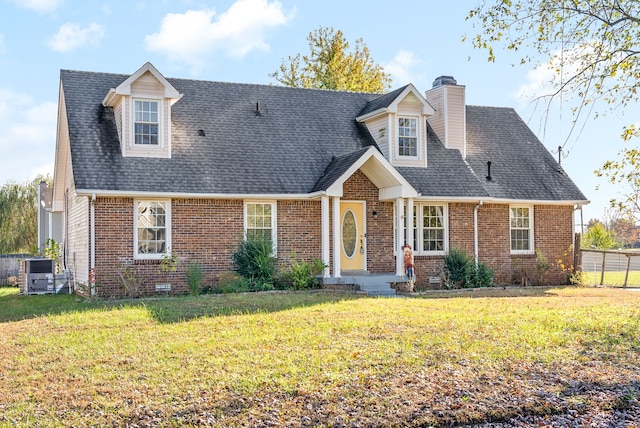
column 336, row 237
column 325, row 235
column 399, row 236
column 409, row 223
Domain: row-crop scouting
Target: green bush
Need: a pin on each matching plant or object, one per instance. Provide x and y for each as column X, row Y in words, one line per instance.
column 254, row 261
column 194, row 275
column 301, row 275
column 457, row 269
column 483, row 276
column 460, row 271
column 231, row 282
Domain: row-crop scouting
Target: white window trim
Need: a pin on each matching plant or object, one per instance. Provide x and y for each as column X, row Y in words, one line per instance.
column 132, row 130
column 531, row 249
column 418, row 233
column 418, row 136
column 274, row 220
column 147, row 256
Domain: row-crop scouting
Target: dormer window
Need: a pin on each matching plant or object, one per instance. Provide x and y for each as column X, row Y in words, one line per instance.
column 146, row 122
column 142, row 110
column 408, row 136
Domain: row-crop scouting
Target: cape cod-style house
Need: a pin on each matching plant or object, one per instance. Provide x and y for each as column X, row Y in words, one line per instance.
column 145, row 165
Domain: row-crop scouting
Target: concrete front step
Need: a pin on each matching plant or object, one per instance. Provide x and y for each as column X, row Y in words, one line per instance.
column 376, row 285
column 371, row 283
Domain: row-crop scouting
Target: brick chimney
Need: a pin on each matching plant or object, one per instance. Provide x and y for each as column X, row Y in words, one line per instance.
column 450, row 121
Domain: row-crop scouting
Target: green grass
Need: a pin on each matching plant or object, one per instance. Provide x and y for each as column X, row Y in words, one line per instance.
column 318, row 359
column 615, row 279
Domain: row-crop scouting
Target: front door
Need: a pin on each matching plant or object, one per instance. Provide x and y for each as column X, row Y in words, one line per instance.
column 352, row 234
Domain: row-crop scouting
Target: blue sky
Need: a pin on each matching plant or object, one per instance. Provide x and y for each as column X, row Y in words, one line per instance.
column 245, row 40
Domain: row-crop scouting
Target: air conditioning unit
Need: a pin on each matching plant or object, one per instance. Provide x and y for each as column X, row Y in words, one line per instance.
column 39, row 276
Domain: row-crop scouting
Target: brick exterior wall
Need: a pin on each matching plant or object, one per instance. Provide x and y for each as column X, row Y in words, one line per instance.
column 553, row 237
column 208, row 231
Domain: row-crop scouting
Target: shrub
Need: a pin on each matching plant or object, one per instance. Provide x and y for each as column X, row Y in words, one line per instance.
column 194, row 275
column 483, row 276
column 302, row 275
column 231, row 282
column 254, row 261
column 460, row 271
column 457, row 269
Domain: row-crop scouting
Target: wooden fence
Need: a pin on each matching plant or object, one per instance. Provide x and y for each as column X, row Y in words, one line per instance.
column 610, row 261
column 10, row 267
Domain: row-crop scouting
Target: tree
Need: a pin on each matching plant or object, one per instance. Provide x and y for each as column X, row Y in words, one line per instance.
column 597, row 236
column 330, row 65
column 19, row 216
column 592, row 48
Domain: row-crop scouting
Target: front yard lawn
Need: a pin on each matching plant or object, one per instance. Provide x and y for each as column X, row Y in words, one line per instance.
column 316, row 359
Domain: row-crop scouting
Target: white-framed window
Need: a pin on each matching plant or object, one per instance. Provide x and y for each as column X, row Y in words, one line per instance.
column 408, row 136
column 430, row 229
column 152, row 221
column 146, row 122
column 521, row 229
column 260, row 220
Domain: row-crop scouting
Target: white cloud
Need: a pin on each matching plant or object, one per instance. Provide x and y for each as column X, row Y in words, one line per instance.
column 42, row 6
column 401, row 67
column 28, row 139
column 71, row 36
column 193, row 36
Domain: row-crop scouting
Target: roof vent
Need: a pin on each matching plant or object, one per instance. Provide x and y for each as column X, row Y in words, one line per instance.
column 489, row 171
column 201, row 132
column 258, row 112
column 444, row 81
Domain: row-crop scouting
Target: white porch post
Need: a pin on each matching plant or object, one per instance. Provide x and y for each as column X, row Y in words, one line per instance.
column 336, row 237
column 409, row 223
column 325, row 235
column 399, row 236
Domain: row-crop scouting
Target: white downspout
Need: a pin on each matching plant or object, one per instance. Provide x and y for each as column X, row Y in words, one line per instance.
column 92, row 245
column 475, row 231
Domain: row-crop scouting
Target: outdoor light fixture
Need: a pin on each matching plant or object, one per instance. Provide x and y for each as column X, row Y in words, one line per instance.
column 374, row 213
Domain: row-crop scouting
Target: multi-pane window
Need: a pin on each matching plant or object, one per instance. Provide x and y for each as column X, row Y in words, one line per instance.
column 152, row 228
column 260, row 221
column 429, row 229
column 433, row 228
column 146, row 122
column 407, row 136
column 521, row 229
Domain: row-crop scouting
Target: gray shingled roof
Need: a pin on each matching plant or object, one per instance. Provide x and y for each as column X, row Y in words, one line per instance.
column 446, row 175
column 284, row 150
column 521, row 167
column 382, row 101
column 301, row 141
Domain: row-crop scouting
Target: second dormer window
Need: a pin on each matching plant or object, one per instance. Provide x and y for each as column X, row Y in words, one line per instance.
column 146, row 122
column 407, row 136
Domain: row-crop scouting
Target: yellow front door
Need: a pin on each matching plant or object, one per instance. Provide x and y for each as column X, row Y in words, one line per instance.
column 352, row 236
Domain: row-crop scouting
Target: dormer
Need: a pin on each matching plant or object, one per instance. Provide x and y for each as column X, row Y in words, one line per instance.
column 142, row 108
column 397, row 121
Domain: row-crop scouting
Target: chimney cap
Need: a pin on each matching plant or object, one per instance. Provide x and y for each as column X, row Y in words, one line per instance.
column 444, row 80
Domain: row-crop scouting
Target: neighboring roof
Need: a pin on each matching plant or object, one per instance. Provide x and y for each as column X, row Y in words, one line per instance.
column 283, row 149
column 521, row 167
